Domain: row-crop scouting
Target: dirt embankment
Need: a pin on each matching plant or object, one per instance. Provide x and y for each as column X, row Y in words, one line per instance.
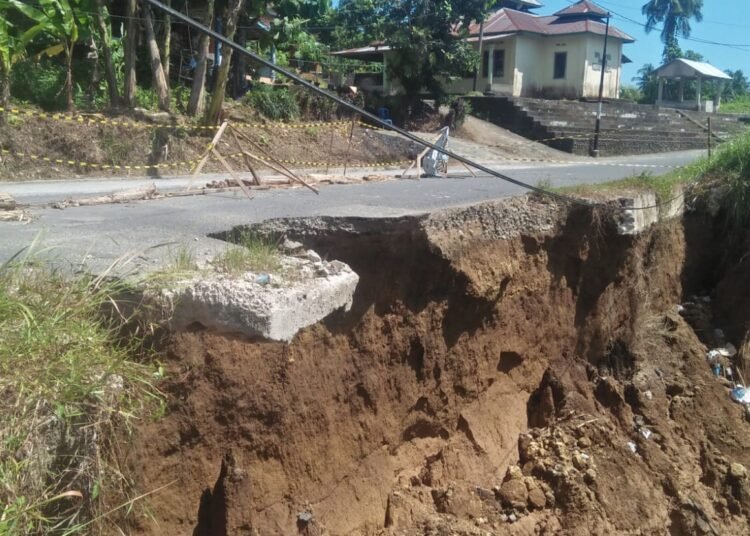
column 495, row 376
column 37, row 148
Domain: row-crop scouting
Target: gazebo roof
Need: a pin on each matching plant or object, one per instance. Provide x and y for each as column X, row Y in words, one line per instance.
column 682, row 68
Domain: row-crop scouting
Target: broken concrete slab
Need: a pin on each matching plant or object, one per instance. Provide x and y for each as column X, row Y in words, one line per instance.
column 642, row 210
column 269, row 306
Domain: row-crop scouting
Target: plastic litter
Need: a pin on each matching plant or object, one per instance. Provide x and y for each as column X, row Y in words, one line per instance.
column 632, row 446
column 712, row 354
column 645, row 432
column 436, row 162
column 741, row 395
column 304, row 517
column 728, row 350
column 263, row 279
column 716, row 368
column 680, row 308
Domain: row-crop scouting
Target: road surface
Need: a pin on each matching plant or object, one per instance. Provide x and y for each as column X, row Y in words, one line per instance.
column 96, row 235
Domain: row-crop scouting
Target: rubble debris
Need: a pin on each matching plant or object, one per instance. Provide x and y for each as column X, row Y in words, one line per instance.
column 139, row 194
column 741, row 395
column 7, row 202
column 14, row 215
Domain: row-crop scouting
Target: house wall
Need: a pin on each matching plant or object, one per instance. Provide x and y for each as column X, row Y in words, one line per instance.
column 572, row 85
column 504, row 84
column 529, row 50
column 613, row 73
column 530, row 64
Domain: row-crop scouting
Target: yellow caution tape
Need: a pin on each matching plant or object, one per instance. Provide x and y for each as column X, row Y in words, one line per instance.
column 186, row 163
column 89, row 120
column 94, row 165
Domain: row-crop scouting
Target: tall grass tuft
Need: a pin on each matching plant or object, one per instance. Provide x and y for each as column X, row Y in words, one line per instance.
column 68, row 382
column 730, row 165
column 256, row 253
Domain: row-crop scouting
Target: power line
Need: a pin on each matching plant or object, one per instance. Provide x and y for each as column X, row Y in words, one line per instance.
column 378, row 121
column 694, row 39
column 704, row 21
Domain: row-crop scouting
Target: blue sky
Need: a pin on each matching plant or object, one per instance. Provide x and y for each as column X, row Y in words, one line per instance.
column 724, row 21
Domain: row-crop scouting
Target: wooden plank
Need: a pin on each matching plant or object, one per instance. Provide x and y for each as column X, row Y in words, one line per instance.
column 407, row 170
column 248, row 161
column 470, row 170
column 281, row 171
column 278, row 165
column 205, row 156
column 236, row 177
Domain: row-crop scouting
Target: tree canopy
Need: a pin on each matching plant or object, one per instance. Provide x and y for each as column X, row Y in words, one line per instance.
column 674, row 16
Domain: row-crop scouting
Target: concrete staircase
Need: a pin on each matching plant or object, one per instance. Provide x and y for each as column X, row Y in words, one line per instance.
column 626, row 128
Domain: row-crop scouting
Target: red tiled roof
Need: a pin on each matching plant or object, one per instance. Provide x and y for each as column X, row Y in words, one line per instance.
column 509, row 20
column 584, row 7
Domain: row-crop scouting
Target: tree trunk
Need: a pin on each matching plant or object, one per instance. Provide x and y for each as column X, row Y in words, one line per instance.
column 240, row 66
column 217, row 98
column 96, row 76
column 69, row 77
column 130, row 44
column 198, row 92
column 160, row 82
column 167, row 44
column 4, row 92
column 109, row 66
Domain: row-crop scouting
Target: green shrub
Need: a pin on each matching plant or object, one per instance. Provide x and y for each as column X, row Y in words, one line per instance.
column 315, row 106
column 41, row 83
column 277, row 104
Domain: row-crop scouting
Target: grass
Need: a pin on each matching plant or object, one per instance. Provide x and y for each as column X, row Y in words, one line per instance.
column 67, row 383
column 729, row 168
column 255, row 254
column 738, row 105
column 662, row 185
column 117, row 149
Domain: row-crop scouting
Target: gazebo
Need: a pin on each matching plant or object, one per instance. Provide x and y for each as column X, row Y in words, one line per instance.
column 681, row 70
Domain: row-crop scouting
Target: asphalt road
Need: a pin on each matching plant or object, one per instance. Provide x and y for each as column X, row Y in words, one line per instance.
column 96, row 235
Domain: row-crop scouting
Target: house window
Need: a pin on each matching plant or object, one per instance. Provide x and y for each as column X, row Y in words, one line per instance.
column 498, row 68
column 561, row 64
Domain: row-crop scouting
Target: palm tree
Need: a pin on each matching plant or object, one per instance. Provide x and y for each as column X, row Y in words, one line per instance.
column 675, row 16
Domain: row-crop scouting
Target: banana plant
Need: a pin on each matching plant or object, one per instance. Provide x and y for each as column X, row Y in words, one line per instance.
column 11, row 51
column 63, row 21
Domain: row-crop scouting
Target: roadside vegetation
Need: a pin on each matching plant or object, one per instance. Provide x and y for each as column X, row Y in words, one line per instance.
column 726, row 172
column 254, row 253
column 738, row 105
column 71, row 385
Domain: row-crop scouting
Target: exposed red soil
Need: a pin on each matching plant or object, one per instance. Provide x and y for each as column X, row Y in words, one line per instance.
column 480, row 385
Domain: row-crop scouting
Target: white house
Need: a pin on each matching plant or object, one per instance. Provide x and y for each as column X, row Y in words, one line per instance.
column 525, row 54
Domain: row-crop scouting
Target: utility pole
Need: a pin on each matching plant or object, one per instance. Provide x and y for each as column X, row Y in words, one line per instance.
column 595, row 150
